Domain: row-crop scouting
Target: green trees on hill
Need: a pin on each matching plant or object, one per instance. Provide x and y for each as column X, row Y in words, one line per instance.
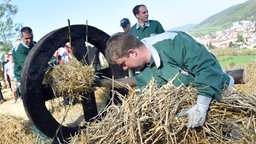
column 225, row 18
column 9, row 30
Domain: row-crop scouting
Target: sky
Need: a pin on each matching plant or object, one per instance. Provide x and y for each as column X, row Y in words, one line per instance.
column 44, row 16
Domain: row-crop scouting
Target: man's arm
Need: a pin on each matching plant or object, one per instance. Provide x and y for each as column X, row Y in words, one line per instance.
column 204, row 66
column 208, row 78
column 19, row 59
column 160, row 28
column 5, row 74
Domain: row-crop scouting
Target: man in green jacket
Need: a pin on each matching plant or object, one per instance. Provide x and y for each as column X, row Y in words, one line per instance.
column 21, row 51
column 144, row 27
column 172, row 55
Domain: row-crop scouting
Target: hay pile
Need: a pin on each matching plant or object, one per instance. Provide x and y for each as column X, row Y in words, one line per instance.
column 72, row 79
column 15, row 130
column 151, row 118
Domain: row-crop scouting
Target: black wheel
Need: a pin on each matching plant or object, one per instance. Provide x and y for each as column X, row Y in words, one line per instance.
column 35, row 94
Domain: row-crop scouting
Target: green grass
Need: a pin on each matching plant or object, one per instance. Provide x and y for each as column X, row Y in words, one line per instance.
column 234, row 56
column 236, row 60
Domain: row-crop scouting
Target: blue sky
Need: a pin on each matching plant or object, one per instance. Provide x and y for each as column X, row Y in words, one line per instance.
column 44, row 16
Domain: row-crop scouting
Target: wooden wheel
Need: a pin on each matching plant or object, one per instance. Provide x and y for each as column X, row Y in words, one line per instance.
column 35, row 94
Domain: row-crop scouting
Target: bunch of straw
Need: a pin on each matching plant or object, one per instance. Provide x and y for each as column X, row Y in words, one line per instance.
column 71, row 79
column 15, row 130
column 151, row 118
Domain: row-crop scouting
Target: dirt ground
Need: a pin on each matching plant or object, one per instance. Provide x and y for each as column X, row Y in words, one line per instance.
column 7, row 107
column 73, row 114
column 14, row 115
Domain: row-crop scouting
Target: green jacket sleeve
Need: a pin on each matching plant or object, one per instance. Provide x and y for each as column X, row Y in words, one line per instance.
column 159, row 28
column 203, row 65
column 183, row 51
column 19, row 59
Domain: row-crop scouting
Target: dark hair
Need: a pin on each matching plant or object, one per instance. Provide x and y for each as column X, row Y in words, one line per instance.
column 119, row 44
column 136, row 9
column 26, row 30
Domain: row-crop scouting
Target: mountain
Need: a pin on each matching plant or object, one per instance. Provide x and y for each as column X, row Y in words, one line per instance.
column 224, row 19
column 184, row 28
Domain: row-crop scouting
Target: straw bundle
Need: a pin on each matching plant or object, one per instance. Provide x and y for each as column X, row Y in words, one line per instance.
column 15, row 130
column 151, row 118
column 71, row 79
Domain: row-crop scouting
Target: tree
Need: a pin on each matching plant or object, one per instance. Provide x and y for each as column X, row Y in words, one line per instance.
column 231, row 44
column 9, row 30
column 240, row 38
column 210, row 46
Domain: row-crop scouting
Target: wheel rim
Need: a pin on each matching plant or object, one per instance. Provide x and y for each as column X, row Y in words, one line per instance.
column 34, row 94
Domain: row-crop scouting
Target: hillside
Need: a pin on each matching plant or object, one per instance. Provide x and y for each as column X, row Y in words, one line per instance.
column 225, row 18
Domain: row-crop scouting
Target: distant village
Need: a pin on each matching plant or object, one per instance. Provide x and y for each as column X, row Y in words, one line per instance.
column 242, row 35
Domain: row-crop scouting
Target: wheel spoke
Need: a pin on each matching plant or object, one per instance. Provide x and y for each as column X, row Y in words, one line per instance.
column 89, row 107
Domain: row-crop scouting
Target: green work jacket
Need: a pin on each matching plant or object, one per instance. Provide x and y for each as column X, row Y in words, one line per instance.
column 19, row 56
column 177, row 56
column 151, row 27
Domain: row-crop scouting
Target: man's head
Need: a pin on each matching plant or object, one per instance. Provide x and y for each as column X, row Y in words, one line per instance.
column 6, row 57
column 10, row 56
column 125, row 24
column 126, row 50
column 141, row 13
column 27, row 36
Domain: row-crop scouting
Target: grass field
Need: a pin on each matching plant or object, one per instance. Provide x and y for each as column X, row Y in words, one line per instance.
column 235, row 57
column 236, row 60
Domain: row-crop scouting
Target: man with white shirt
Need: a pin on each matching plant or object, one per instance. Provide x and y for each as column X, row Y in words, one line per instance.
column 144, row 27
column 9, row 72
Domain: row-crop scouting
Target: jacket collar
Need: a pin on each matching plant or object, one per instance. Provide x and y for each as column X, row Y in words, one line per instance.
column 146, row 24
column 150, row 41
